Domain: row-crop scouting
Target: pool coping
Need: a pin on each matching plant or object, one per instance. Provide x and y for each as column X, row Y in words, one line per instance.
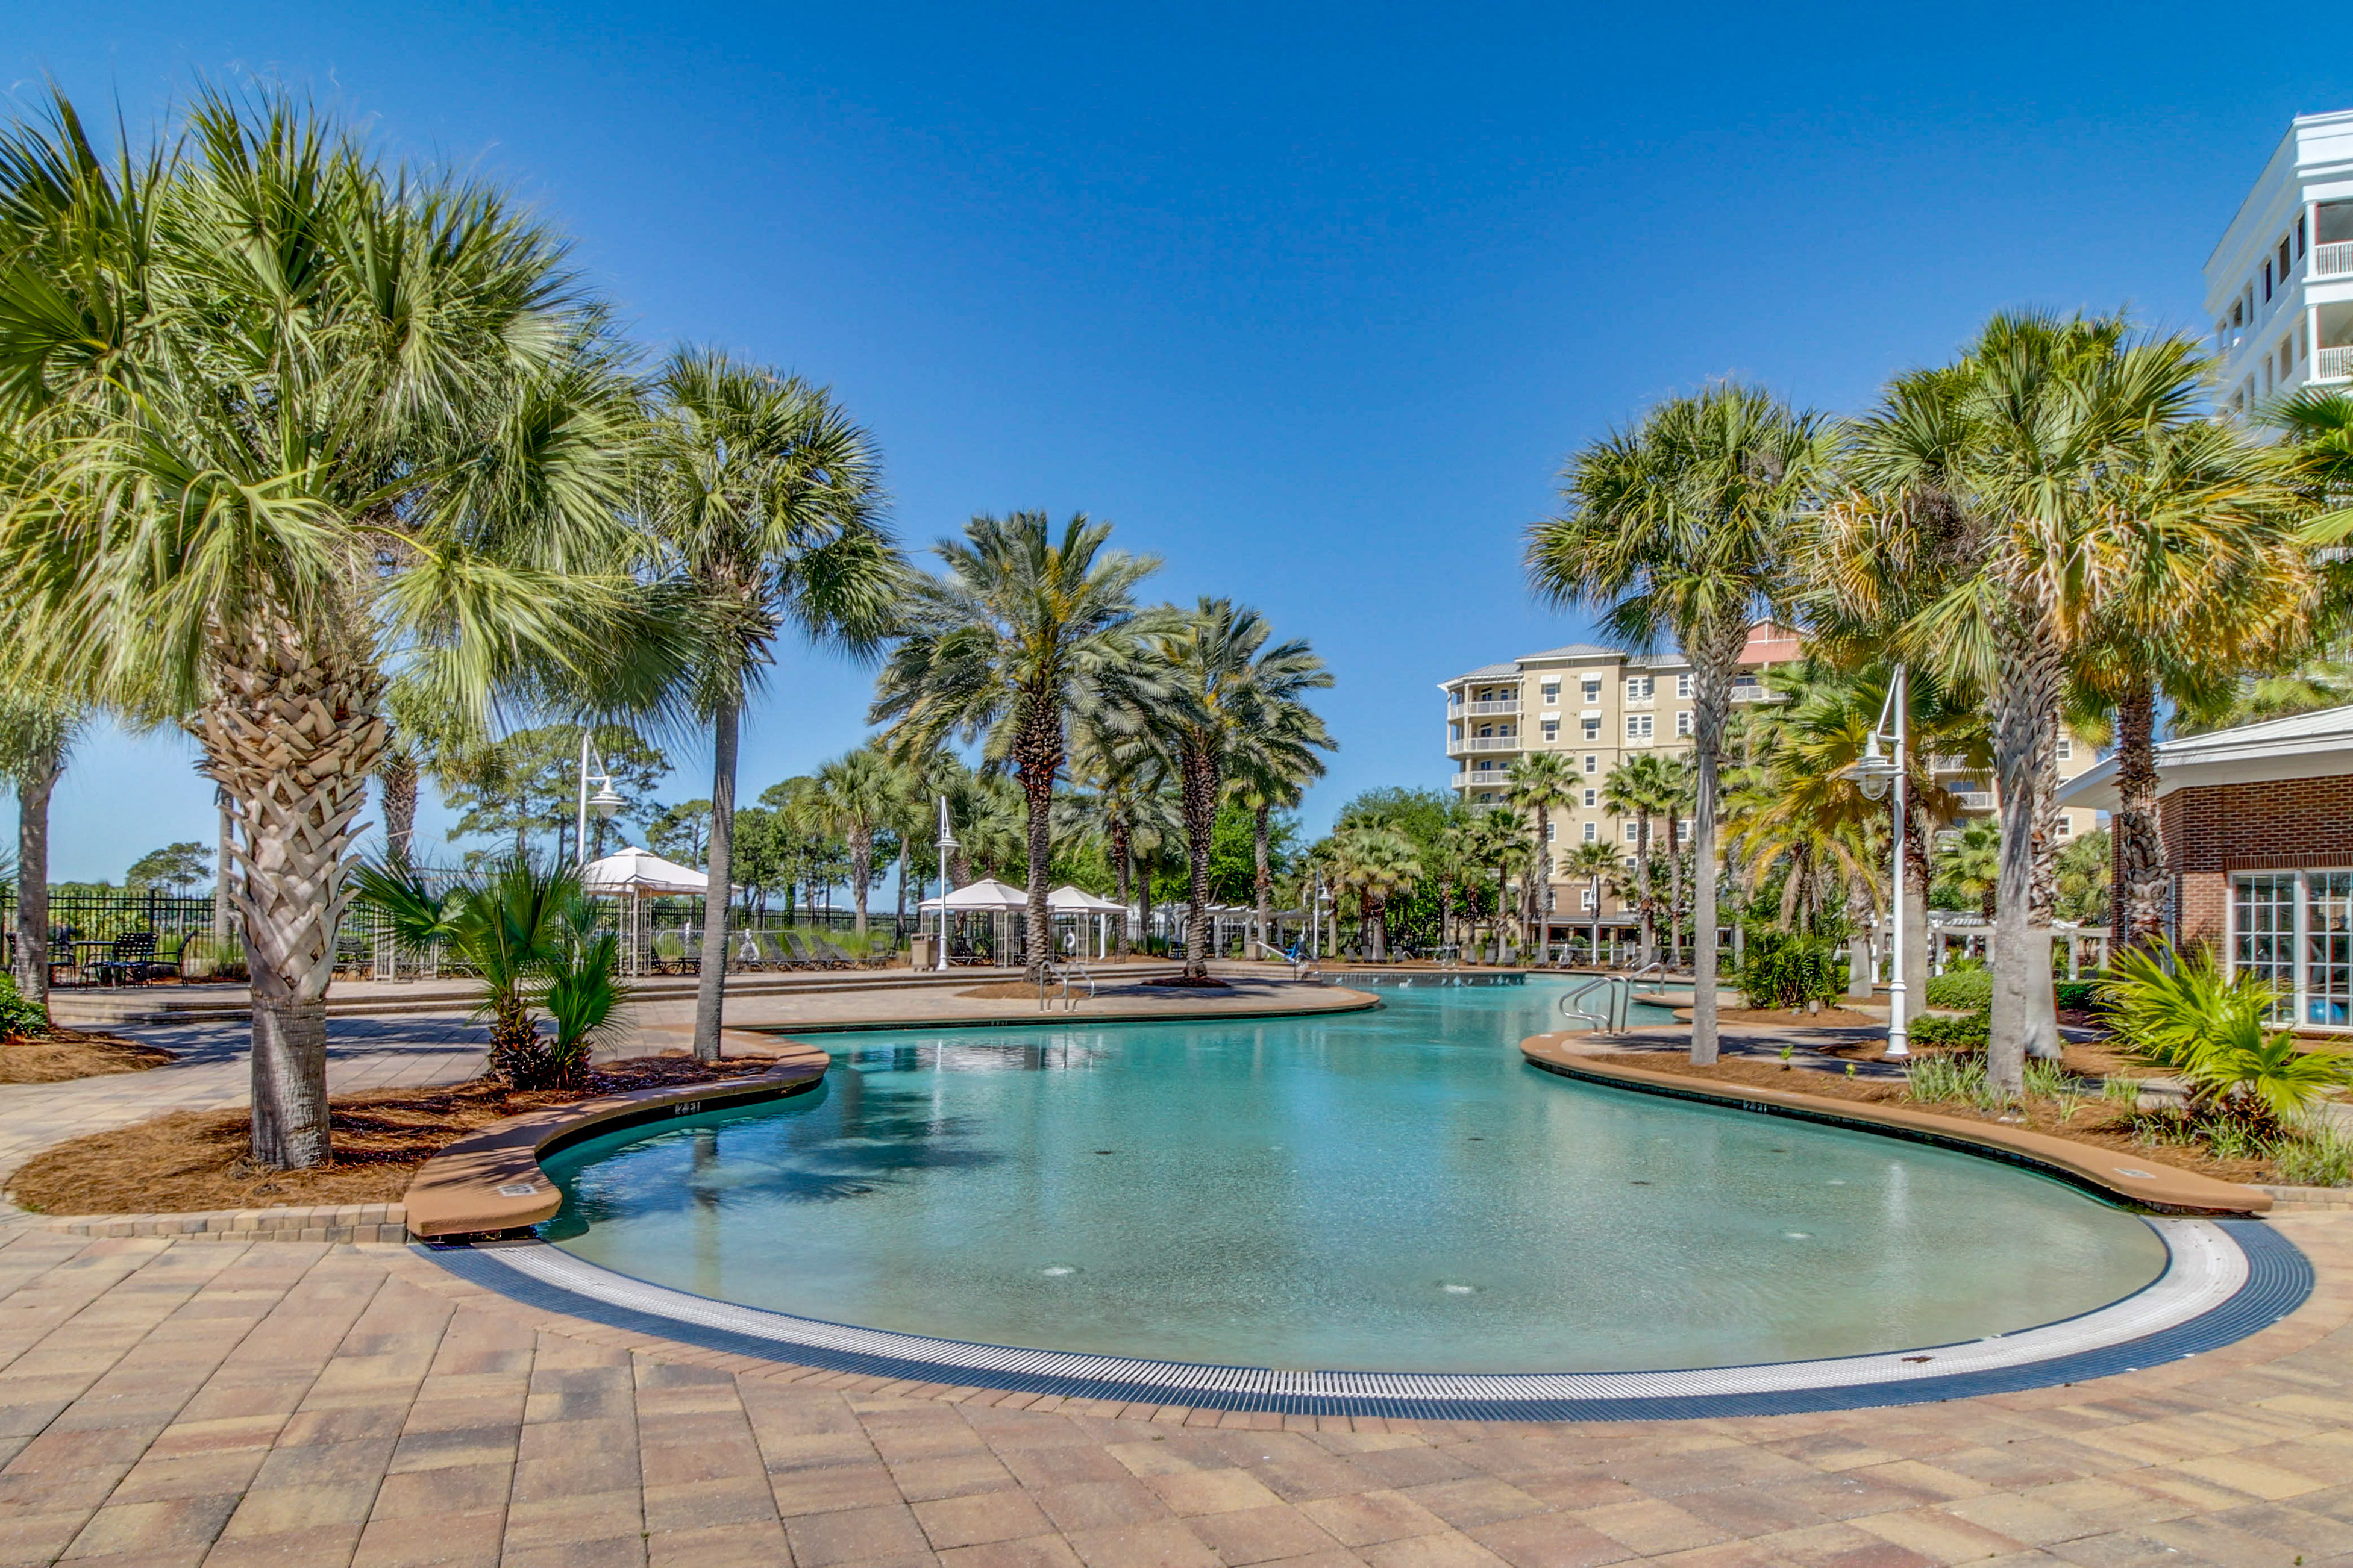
column 1355, row 1002
column 2224, row 1281
column 2165, row 1188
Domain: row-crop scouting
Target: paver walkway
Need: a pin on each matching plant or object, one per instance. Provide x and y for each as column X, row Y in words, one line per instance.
column 177, row 1403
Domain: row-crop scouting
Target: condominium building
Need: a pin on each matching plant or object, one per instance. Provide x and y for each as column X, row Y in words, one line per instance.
column 2279, row 287
column 1599, row 706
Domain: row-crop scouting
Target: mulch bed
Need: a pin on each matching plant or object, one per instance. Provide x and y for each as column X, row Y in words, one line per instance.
column 1193, row 982
column 65, row 1054
column 190, row 1161
column 2096, row 1121
column 1798, row 1017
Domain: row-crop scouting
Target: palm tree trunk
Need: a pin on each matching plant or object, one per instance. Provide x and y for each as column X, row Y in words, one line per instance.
column 1038, row 769
column 1594, row 957
column 2139, row 846
column 1264, row 876
column 710, row 973
column 1198, row 773
column 34, row 786
column 2025, row 699
column 1674, row 887
column 1710, row 726
column 1649, row 913
column 1122, row 855
column 1919, row 875
column 293, row 739
column 398, row 778
column 861, row 874
column 222, row 870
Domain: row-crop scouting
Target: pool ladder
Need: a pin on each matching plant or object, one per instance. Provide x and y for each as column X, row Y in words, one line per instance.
column 1617, row 996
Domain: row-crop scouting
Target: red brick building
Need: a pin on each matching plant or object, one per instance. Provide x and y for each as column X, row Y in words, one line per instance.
column 2258, row 826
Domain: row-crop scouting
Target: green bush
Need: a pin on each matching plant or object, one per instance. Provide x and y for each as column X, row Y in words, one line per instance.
column 18, row 1015
column 1784, row 969
column 1970, row 1033
column 1965, row 989
column 2315, row 1154
column 2078, row 995
column 2181, row 1012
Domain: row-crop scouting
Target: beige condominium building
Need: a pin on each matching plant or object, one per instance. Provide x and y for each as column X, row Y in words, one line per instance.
column 1602, row 705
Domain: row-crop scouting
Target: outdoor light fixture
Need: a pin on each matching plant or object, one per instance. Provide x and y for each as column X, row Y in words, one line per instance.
column 604, row 803
column 1876, row 773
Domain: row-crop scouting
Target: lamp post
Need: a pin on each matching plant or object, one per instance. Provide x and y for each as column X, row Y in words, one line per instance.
column 603, row 803
column 947, row 885
column 1875, row 773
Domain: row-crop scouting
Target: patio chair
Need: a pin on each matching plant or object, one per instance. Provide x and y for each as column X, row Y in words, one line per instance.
column 821, row 954
column 127, row 960
column 790, row 953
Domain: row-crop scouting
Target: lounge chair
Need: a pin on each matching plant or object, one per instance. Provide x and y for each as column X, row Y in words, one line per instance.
column 818, row 952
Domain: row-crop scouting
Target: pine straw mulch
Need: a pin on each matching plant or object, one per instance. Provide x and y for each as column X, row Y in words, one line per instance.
column 1798, row 1017
column 193, row 1162
column 2100, row 1122
column 65, row 1054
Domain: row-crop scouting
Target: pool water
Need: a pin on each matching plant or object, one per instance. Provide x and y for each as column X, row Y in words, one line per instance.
column 1386, row 1190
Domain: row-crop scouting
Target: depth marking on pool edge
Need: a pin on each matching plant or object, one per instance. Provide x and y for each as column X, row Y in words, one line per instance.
column 2223, row 1280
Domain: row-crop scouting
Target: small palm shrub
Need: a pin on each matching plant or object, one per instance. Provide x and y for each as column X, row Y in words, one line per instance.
column 1965, row 989
column 2179, row 1012
column 529, row 932
column 20, row 1017
column 1786, row 969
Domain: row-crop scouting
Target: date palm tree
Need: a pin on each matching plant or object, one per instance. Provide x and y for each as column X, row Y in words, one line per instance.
column 1683, row 529
column 1023, row 635
column 296, row 420
column 1637, row 788
column 856, row 796
column 1593, row 861
column 768, row 503
column 1982, row 531
column 1378, row 864
column 1273, row 762
column 1494, row 839
column 1232, row 700
column 1536, row 782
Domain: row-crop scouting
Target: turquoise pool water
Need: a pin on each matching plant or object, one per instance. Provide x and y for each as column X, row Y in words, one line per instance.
column 1385, row 1191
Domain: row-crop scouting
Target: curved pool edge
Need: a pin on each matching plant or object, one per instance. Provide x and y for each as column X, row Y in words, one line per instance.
column 2167, row 1189
column 2224, row 1281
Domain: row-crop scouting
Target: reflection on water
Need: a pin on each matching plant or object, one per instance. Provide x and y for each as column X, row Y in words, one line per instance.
column 1386, row 1190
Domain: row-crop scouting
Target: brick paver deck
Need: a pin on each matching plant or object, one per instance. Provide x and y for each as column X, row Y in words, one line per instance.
column 191, row 1402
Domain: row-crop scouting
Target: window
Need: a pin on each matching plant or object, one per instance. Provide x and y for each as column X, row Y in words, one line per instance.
column 2282, row 261
column 1683, row 684
column 1638, row 726
column 1485, row 798
column 2300, row 237
column 1592, row 832
column 2328, row 948
column 2288, row 358
column 1592, row 763
column 2267, row 282
column 2066, row 750
column 2238, row 312
column 1585, row 895
column 1593, row 688
column 1592, row 732
column 1682, row 722
column 1549, row 834
column 1552, row 693
column 1489, row 729
column 2066, row 827
column 2263, row 916
column 1639, row 688
column 1592, row 798
column 1552, row 729
column 1633, row 832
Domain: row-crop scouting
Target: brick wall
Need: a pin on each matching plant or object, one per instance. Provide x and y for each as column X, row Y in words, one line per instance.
column 2284, row 825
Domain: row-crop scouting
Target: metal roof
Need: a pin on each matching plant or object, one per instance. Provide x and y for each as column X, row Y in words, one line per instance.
column 2319, row 745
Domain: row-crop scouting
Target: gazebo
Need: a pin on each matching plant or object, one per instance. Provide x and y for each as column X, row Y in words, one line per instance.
column 1078, row 903
column 988, row 895
column 637, row 874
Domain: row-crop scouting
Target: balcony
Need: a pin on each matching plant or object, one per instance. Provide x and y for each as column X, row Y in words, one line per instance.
column 1758, row 694
column 2334, row 365
column 1491, row 779
column 1974, row 799
column 2334, row 259
column 1510, row 705
column 1470, row 743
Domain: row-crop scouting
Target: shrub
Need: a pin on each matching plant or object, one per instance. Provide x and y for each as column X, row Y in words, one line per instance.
column 1784, row 969
column 2315, row 1154
column 1970, row 1033
column 1965, row 989
column 2207, row 1028
column 2078, row 995
column 1955, row 1076
column 18, row 1015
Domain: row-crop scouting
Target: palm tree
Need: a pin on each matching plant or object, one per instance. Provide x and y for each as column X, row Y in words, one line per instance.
column 1494, row 839
column 1982, row 527
column 292, row 419
column 1273, row 763
column 37, row 728
column 1593, row 861
column 1683, row 529
column 1023, row 635
column 1636, row 788
column 856, row 796
column 1377, row 863
column 1231, row 699
column 1968, row 865
column 1535, row 782
column 767, row 501
column 1674, row 791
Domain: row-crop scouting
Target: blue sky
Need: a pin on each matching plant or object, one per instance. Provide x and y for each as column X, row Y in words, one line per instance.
column 1310, row 300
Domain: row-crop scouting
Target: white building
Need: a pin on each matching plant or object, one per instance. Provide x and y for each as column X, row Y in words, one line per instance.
column 2279, row 288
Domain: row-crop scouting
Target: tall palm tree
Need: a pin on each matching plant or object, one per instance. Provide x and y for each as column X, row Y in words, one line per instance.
column 767, row 503
column 1121, row 800
column 1231, row 699
column 1494, row 839
column 295, row 419
column 37, row 728
column 1675, row 790
column 1377, row 863
column 1023, row 635
column 1273, row 762
column 1982, row 529
column 1683, row 529
column 1637, row 787
column 856, row 796
column 1594, row 862
column 1535, row 782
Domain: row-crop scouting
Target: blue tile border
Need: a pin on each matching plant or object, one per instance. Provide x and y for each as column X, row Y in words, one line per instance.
column 2279, row 1280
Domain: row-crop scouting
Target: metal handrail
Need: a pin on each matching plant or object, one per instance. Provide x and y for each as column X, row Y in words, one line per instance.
column 1600, row 1021
column 1300, row 967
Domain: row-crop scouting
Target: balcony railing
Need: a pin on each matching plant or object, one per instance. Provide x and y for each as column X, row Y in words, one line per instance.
column 1473, row 779
column 1757, row 694
column 2334, row 259
column 1508, row 705
column 2334, row 365
column 1975, row 799
column 1486, row 744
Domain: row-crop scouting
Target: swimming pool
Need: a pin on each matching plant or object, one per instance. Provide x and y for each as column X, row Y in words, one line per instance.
column 1375, row 1190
